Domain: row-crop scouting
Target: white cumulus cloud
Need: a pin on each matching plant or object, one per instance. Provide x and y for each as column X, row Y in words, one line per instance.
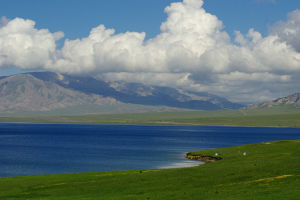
column 289, row 31
column 21, row 45
column 193, row 51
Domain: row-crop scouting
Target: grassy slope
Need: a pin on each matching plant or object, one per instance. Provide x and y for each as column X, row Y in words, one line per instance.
column 281, row 116
column 269, row 171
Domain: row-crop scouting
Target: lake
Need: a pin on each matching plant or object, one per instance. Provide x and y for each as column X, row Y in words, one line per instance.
column 29, row 149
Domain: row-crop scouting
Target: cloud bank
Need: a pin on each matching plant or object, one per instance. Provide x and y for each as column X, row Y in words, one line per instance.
column 192, row 52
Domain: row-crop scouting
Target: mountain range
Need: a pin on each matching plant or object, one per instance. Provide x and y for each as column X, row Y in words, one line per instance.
column 49, row 92
column 291, row 101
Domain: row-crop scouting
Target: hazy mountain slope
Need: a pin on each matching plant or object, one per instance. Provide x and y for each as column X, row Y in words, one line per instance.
column 291, row 100
column 53, row 93
column 24, row 92
column 136, row 93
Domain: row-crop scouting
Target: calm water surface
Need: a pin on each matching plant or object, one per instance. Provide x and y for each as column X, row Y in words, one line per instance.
column 27, row 149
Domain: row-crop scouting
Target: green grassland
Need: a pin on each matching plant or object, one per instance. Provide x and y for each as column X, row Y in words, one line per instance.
column 270, row 170
column 285, row 116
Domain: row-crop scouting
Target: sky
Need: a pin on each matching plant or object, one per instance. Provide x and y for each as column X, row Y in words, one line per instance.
column 246, row 51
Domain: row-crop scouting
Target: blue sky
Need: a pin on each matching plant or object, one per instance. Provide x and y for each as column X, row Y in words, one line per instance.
column 255, row 55
column 77, row 17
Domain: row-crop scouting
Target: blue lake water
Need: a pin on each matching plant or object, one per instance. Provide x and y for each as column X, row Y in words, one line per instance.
column 28, row 149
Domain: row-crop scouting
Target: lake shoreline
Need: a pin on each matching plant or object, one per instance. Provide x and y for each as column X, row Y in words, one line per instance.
column 145, row 124
column 250, row 174
column 90, row 148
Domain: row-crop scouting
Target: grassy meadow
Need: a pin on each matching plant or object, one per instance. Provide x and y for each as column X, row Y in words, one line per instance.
column 276, row 117
column 269, row 171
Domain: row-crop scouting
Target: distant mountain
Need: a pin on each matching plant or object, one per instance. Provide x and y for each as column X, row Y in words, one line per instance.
column 25, row 92
column 48, row 91
column 137, row 93
column 291, row 100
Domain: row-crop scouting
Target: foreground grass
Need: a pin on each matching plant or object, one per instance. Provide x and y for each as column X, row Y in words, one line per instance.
column 276, row 117
column 268, row 171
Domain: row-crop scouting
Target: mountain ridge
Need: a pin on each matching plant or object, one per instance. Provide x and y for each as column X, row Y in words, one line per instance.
column 164, row 96
column 25, row 92
column 46, row 91
column 290, row 100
